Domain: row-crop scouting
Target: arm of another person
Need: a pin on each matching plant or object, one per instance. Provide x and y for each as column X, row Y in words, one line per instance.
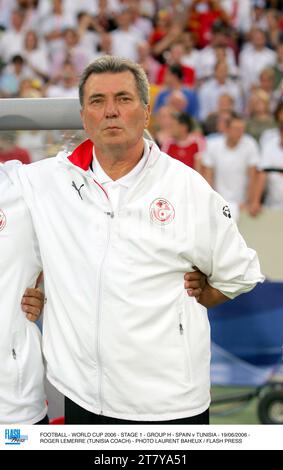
column 208, row 174
column 254, row 161
column 259, row 187
column 252, row 177
column 208, row 163
column 33, row 301
column 197, row 286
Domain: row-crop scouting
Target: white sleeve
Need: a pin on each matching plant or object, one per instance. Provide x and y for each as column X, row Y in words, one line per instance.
column 254, row 156
column 208, row 156
column 11, row 171
column 266, row 158
column 221, row 252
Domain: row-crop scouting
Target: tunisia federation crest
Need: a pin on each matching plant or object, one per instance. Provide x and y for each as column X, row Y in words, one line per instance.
column 161, row 211
column 2, row 220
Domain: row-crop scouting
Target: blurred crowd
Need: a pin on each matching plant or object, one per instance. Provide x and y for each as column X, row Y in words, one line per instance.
column 215, row 68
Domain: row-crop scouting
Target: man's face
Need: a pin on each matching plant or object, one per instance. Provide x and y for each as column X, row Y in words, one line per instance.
column 236, row 130
column 258, row 39
column 176, row 129
column 113, row 114
column 221, row 71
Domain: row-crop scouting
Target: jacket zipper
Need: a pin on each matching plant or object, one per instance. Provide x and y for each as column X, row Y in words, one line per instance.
column 184, row 345
column 110, row 215
column 181, row 328
column 15, row 357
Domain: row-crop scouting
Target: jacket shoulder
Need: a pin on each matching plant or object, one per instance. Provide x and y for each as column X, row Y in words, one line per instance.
column 41, row 173
column 39, row 177
column 184, row 174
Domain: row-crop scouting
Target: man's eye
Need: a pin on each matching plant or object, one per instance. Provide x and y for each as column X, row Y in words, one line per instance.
column 124, row 99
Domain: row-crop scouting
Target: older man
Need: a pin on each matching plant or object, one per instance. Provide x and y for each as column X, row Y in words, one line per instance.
column 118, row 224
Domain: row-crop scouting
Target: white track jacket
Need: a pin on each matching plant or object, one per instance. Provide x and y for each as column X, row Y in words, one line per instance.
column 121, row 336
column 22, row 397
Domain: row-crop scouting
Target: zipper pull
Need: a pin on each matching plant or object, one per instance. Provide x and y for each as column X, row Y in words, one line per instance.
column 111, row 214
column 14, row 354
column 181, row 328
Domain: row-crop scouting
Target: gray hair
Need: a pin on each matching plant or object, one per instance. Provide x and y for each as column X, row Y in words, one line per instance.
column 115, row 64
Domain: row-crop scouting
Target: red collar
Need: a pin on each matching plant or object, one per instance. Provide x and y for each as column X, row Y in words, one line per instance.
column 82, row 155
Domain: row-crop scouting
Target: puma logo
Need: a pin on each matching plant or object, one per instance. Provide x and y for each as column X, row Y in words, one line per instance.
column 78, row 189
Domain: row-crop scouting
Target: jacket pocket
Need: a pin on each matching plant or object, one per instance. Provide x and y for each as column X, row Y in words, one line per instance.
column 184, row 344
column 18, row 372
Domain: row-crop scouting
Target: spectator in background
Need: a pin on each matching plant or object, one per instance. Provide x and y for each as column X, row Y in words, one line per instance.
column 210, row 55
column 225, row 103
column 270, row 178
column 185, row 145
column 230, row 164
column 178, row 103
column 192, row 55
column 54, row 25
column 259, row 14
column 273, row 31
column 201, row 17
column 147, row 61
column 6, row 9
column 139, row 22
column 12, row 76
column 36, row 56
column 266, row 83
column 213, row 122
column 220, row 125
column 12, row 40
column 33, row 11
column 88, row 32
column 30, row 88
column 162, row 124
column 174, row 57
column 254, row 57
column 273, row 134
column 210, row 91
column 278, row 66
column 35, row 141
column 105, row 44
column 174, row 34
column 104, row 14
column 10, row 151
column 239, row 12
column 162, row 31
column 71, row 51
column 173, row 82
column 260, row 117
column 126, row 37
column 66, row 83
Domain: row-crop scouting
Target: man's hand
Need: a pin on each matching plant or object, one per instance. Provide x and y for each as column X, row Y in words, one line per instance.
column 198, row 287
column 195, row 283
column 32, row 303
column 254, row 209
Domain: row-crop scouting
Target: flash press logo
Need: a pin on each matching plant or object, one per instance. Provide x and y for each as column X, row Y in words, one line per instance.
column 13, row 437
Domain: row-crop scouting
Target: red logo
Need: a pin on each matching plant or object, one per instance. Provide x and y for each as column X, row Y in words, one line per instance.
column 161, row 211
column 2, row 220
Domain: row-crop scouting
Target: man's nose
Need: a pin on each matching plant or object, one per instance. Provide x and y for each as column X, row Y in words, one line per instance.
column 111, row 109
